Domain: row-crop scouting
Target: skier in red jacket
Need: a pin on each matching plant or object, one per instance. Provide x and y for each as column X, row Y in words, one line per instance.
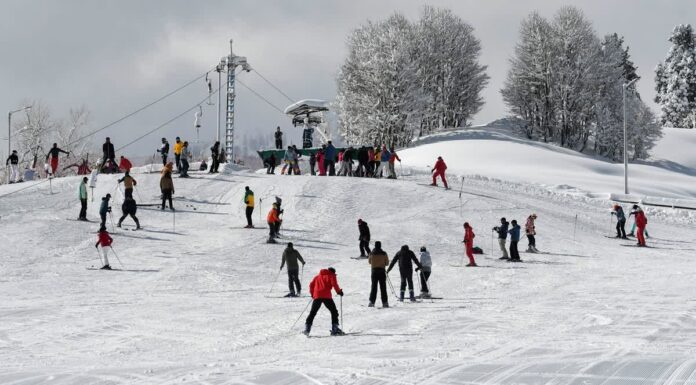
column 320, row 290
column 469, row 243
column 641, row 222
column 439, row 169
column 125, row 165
column 104, row 240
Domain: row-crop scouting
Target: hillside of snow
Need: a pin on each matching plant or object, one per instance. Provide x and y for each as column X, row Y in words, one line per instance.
column 489, row 152
column 198, row 301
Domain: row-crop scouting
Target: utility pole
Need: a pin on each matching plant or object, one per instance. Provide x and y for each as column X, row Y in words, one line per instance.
column 230, row 63
column 625, row 149
column 219, row 70
column 9, row 127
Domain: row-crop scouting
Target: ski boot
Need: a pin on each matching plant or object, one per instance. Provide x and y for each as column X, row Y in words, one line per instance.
column 535, row 249
column 371, row 304
column 271, row 240
column 401, row 297
column 472, row 264
column 385, row 305
column 411, row 296
column 425, row 295
column 290, row 295
column 434, row 184
column 504, row 258
column 118, row 225
column 336, row 331
column 307, row 329
column 106, row 267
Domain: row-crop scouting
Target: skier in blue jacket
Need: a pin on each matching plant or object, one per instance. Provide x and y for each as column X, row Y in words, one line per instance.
column 104, row 209
column 514, row 239
column 330, row 159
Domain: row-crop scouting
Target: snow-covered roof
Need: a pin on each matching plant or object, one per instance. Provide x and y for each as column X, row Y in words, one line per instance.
column 307, row 106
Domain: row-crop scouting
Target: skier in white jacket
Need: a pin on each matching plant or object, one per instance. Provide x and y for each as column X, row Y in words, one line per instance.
column 427, row 264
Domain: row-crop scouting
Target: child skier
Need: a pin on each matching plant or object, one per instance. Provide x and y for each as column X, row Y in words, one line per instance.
column 249, row 201
column 427, row 264
column 291, row 256
column 364, row 238
column 641, row 223
column 620, row 221
column 530, row 230
column 129, row 207
column 273, row 220
column 514, row 239
column 320, row 289
column 104, row 209
column 404, row 257
column 469, row 244
column 104, row 240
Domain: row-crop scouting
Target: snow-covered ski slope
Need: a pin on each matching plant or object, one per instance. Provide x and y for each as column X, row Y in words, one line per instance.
column 489, row 152
column 193, row 304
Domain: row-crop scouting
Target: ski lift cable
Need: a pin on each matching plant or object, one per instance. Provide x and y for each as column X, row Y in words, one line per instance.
column 119, row 120
column 274, row 86
column 261, row 97
column 124, row 146
column 195, row 106
column 141, row 108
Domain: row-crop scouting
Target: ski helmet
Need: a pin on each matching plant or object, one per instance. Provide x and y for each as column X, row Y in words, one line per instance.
column 422, row 248
column 331, row 269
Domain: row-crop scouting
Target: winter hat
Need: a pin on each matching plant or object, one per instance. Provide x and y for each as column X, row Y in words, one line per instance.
column 378, row 245
column 503, row 219
column 533, row 216
column 331, row 269
column 360, row 221
column 84, row 179
column 514, row 222
column 423, row 248
column 466, row 224
column 14, row 151
column 246, row 188
column 107, row 196
column 404, row 247
column 635, row 207
column 290, row 245
column 439, row 157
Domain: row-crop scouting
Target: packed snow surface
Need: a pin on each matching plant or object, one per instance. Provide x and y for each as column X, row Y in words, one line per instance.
column 496, row 153
column 197, row 303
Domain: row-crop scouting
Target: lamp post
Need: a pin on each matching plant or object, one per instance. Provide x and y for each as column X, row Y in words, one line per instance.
column 9, row 127
column 625, row 150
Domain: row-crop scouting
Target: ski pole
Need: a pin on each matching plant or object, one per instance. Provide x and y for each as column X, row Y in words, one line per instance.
column 117, row 258
column 392, row 287
column 276, row 280
column 111, row 218
column 302, row 273
column 342, row 325
column 173, row 221
column 99, row 255
column 492, row 237
column 575, row 227
column 303, row 311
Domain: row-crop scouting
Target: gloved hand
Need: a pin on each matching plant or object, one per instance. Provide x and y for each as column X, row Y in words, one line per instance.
column 340, row 293
column 418, row 268
column 108, row 210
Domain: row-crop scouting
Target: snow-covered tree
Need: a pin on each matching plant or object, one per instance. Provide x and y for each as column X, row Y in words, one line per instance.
column 527, row 90
column 675, row 80
column 378, row 96
column 568, row 87
column 447, row 55
column 404, row 79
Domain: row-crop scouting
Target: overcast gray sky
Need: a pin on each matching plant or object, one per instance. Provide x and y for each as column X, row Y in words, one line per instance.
column 114, row 56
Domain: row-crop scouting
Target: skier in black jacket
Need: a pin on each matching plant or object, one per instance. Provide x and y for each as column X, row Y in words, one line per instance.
column 405, row 257
column 129, row 207
column 109, row 152
column 215, row 155
column 364, row 238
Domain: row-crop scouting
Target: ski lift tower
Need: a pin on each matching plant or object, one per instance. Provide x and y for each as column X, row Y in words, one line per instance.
column 230, row 63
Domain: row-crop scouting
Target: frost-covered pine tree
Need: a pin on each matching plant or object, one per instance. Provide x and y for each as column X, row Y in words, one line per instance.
column 675, row 80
